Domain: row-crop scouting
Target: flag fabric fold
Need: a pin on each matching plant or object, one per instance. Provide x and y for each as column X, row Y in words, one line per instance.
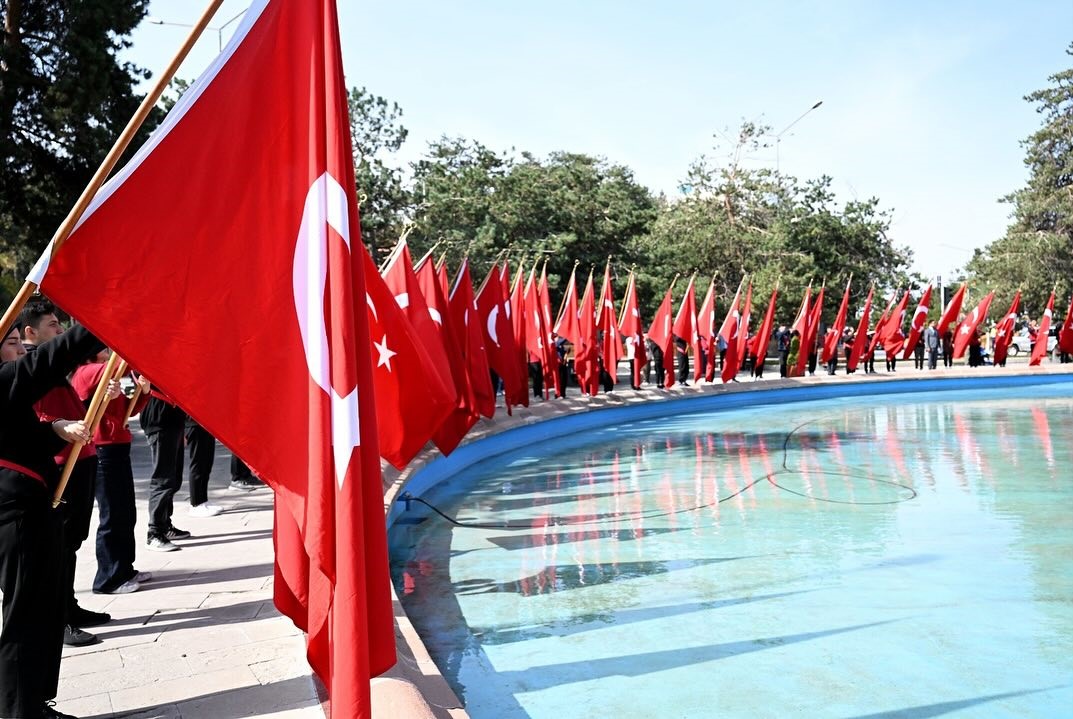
column 967, row 329
column 630, row 326
column 1004, row 331
column 916, row 325
column 1039, row 348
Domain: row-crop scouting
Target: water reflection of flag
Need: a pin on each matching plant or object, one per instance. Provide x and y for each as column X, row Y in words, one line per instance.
column 1043, row 433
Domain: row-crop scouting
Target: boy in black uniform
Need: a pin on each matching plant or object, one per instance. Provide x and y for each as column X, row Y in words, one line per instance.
column 163, row 424
column 31, row 533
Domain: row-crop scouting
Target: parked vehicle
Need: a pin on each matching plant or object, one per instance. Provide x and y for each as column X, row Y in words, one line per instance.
column 1021, row 342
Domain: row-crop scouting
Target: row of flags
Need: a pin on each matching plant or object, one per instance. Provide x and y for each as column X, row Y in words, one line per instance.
column 225, row 262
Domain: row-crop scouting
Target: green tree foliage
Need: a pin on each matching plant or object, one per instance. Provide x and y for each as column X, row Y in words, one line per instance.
column 565, row 208
column 1036, row 252
column 735, row 220
column 377, row 134
column 64, row 98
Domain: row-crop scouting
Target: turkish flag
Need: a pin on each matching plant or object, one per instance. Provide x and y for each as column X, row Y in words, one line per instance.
column 661, row 335
column 631, row 327
column 493, row 310
column 586, row 366
column 1004, row 331
column 469, row 337
column 743, row 327
column 401, row 279
column 516, row 311
column 763, row 335
column 830, row 342
column 860, row 339
column 464, row 415
column 729, row 333
column 685, row 322
column 1039, row 349
column 916, row 325
column 953, row 307
column 1065, row 335
column 706, row 329
column 893, row 337
column 607, row 328
column 967, row 329
column 240, row 212
column 411, row 401
column 808, row 337
column 881, row 326
column 550, row 356
column 566, row 324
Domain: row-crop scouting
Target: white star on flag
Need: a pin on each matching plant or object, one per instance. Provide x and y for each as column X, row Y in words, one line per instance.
column 385, row 353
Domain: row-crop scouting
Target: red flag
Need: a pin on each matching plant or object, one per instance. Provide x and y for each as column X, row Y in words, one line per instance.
column 706, row 329
column 630, row 326
column 729, row 332
column 1065, row 335
column 916, row 325
column 1039, row 349
column 411, row 402
column 550, row 357
column 685, row 322
column 860, row 340
column 893, row 337
column 464, row 414
column 499, row 334
column 469, row 337
column 743, row 326
column 400, row 278
column 606, row 323
column 801, row 321
column 662, row 336
column 1004, row 331
column 830, row 342
column 566, row 324
column 585, row 352
column 763, row 335
column 953, row 307
column 516, row 307
column 290, row 387
column 967, row 329
column 808, row 337
column 881, row 326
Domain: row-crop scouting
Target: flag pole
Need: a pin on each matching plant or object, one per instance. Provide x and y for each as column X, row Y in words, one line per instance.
column 91, row 425
column 133, row 401
column 110, row 160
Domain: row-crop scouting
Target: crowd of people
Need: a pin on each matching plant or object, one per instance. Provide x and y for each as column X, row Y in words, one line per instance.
column 48, row 376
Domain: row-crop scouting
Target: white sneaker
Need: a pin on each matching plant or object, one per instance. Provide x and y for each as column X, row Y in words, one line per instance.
column 131, row 585
column 204, row 510
column 142, row 577
column 161, row 544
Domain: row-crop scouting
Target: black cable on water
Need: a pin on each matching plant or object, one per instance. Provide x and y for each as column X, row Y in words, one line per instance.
column 620, row 516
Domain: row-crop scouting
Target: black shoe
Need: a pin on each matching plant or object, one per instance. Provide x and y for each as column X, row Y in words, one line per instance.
column 49, row 711
column 74, row 637
column 176, row 533
column 80, row 617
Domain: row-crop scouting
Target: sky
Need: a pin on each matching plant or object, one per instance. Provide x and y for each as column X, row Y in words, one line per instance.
column 922, row 101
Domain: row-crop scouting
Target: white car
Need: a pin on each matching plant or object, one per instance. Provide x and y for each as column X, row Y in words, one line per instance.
column 1023, row 343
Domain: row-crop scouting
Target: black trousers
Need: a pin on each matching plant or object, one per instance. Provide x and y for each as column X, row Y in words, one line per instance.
column 166, row 448
column 202, row 448
column 784, row 356
column 32, row 576
column 933, row 358
column 77, row 511
column 918, row 357
column 117, row 514
column 239, row 469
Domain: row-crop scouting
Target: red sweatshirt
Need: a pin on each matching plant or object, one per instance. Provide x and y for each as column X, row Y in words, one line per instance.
column 111, row 429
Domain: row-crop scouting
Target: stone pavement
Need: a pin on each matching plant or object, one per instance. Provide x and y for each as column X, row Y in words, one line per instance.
column 202, row 638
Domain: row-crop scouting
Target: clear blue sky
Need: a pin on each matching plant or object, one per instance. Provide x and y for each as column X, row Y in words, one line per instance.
column 922, row 101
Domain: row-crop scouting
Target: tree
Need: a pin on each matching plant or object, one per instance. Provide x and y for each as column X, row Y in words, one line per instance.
column 1036, row 253
column 64, row 98
column 384, row 201
column 735, row 220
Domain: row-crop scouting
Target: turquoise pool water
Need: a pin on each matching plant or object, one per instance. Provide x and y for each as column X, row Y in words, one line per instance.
column 898, row 556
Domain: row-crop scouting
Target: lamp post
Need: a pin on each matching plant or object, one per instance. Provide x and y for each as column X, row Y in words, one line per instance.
column 778, row 138
column 219, row 29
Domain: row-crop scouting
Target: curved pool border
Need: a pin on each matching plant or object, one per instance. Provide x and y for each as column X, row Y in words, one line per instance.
column 414, row 687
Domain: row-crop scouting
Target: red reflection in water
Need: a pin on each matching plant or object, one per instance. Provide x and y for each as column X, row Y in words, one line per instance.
column 1043, row 433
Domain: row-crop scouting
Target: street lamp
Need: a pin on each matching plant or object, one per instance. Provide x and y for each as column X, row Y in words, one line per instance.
column 778, row 138
column 219, row 30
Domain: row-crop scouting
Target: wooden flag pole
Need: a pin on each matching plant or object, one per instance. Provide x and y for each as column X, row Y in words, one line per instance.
column 120, row 146
column 90, row 422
